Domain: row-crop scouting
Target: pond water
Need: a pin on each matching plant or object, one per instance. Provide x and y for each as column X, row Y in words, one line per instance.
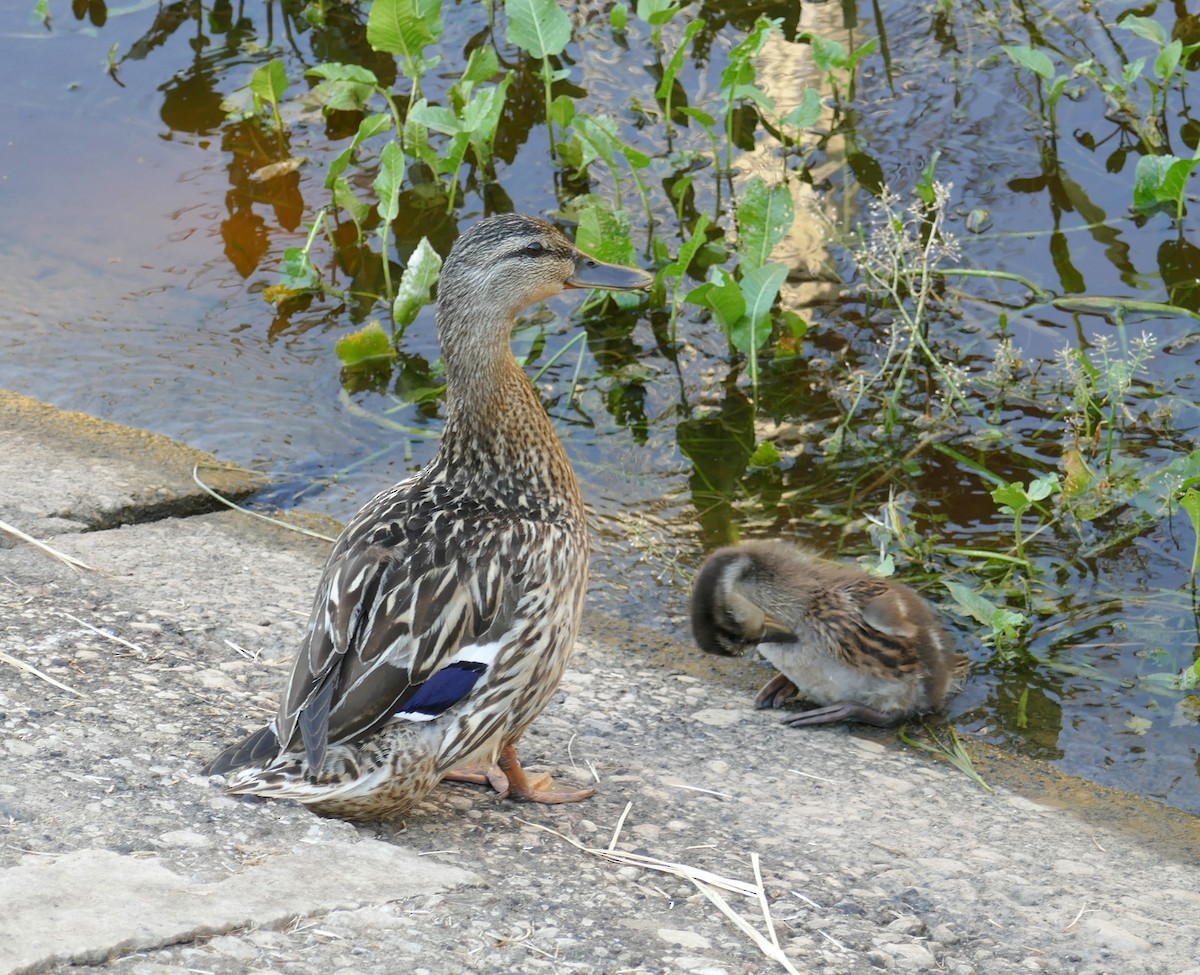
column 141, row 239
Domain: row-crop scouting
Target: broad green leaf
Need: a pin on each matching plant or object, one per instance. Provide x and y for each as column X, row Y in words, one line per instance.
column 421, row 274
column 618, row 17
column 866, row 47
column 1159, row 181
column 404, row 27
column 297, row 272
column 336, row 71
column 1168, row 60
column 1041, row 488
column 388, row 180
column 706, row 120
column 369, row 127
column 436, row 117
column 1011, row 498
column 343, row 197
column 678, row 268
column 541, row 28
column 269, row 81
column 483, row 64
column 1146, row 27
column 482, row 117
column 369, row 342
column 766, row 454
column 606, row 234
column 1190, row 503
column 827, row 54
column 807, row 113
column 1036, row 61
column 722, row 295
column 764, row 218
column 760, row 288
column 676, row 61
column 1002, row 621
column 656, row 12
column 740, row 72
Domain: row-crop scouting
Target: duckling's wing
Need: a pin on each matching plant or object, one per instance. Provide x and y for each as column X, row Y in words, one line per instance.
column 402, row 627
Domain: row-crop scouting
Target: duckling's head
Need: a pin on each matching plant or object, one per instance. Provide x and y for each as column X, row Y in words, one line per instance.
column 506, row 263
column 724, row 619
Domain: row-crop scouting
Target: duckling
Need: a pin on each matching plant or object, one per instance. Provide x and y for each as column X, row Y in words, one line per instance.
column 448, row 607
column 865, row 649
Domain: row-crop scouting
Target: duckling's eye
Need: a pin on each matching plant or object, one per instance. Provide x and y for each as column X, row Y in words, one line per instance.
column 535, row 249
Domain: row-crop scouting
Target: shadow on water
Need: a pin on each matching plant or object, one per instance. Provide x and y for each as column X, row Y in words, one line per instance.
column 136, row 288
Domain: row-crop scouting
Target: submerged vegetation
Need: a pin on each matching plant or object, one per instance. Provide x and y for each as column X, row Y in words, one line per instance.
column 944, row 359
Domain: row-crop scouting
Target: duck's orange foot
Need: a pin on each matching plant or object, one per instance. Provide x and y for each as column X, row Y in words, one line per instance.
column 537, row 788
column 511, row 781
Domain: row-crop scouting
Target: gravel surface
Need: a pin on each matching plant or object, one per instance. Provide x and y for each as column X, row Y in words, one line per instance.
column 116, row 852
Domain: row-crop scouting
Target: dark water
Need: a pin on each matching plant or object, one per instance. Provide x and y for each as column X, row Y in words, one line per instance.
column 137, row 246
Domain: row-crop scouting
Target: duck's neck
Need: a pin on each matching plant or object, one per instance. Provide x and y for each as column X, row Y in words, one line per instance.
column 497, row 432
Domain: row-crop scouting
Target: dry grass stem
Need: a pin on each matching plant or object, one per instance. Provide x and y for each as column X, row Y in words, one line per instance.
column 108, row 636
column 243, row 651
column 708, row 883
column 696, row 788
column 73, row 562
column 810, row 775
column 29, row 668
column 254, row 514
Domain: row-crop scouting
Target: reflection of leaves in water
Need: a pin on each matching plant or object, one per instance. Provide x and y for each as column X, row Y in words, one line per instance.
column 1179, row 265
column 719, row 445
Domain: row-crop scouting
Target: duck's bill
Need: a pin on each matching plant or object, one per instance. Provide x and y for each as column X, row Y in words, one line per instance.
column 591, row 273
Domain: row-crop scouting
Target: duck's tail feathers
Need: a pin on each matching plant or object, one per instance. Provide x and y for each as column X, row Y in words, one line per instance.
column 260, row 748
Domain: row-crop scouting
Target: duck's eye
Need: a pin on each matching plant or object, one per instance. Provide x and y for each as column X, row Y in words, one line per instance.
column 535, row 249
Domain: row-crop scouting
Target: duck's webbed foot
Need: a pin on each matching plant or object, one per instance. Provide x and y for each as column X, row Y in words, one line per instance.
column 480, row 775
column 775, row 693
column 842, row 711
column 537, row 788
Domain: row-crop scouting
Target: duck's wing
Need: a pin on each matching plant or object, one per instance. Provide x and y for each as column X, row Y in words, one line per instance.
column 402, row 627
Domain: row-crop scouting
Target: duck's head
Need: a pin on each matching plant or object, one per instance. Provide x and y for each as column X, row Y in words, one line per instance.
column 728, row 603
column 509, row 262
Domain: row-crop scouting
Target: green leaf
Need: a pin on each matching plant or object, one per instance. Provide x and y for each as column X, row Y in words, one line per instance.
column 1036, row 61
column 1146, row 27
column 764, row 217
column 656, row 12
column 828, row 55
column 618, row 17
column 388, row 181
column 740, row 73
column 1003, row 622
column 1011, row 498
column 706, row 120
column 1168, row 60
column 483, row 64
column 760, row 288
column 270, row 81
column 344, row 197
column 1160, row 181
column 539, row 27
column 296, row 272
column 606, row 234
column 370, row 342
column 336, row 71
column 482, row 118
column 369, row 127
column 766, row 454
column 676, row 62
column 678, row 267
column 807, row 113
column 721, row 295
column 412, row 294
column 404, row 27
column 1042, row 487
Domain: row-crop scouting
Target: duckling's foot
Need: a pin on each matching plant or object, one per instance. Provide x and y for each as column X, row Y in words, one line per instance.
column 775, row 693
column 538, row 788
column 842, row 711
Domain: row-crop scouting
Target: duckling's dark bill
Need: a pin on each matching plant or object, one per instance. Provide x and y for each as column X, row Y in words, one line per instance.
column 591, row 273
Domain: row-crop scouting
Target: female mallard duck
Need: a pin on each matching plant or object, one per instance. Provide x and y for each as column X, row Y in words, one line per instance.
column 866, row 649
column 449, row 605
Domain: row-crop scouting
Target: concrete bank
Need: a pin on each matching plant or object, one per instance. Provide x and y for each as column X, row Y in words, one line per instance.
column 117, row 684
